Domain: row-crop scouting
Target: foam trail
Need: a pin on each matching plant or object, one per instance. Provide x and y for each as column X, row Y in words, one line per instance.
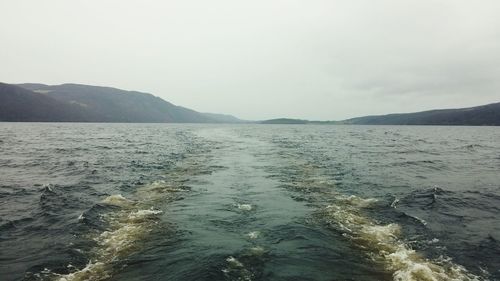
column 253, row 234
column 245, row 207
column 117, row 200
column 384, row 245
column 156, row 190
column 127, row 228
column 236, row 270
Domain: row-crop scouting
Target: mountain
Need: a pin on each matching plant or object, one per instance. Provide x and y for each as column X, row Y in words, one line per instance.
column 286, row 121
column 473, row 116
column 19, row 104
column 224, row 118
column 84, row 103
column 291, row 121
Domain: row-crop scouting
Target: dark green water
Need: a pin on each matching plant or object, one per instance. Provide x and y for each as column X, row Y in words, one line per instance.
column 248, row 202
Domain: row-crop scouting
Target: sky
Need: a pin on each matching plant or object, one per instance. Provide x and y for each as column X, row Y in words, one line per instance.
column 262, row 59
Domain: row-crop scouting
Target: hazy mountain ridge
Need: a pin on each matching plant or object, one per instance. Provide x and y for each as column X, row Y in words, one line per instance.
column 33, row 102
column 474, row 116
column 286, row 121
column 19, row 104
column 225, row 118
column 84, row 103
column 479, row 115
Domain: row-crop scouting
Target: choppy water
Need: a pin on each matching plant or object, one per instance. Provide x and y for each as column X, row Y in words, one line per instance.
column 248, row 202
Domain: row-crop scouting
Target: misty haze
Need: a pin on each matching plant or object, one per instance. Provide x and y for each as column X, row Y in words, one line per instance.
column 250, row 140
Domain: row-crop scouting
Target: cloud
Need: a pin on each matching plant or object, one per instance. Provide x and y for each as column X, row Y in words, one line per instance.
column 264, row 59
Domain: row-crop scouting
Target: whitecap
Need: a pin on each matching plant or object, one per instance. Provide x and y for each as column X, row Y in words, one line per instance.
column 385, row 245
column 357, row 201
column 234, row 262
column 117, row 200
column 395, row 203
column 257, row 250
column 245, row 207
column 127, row 228
column 253, row 234
column 142, row 214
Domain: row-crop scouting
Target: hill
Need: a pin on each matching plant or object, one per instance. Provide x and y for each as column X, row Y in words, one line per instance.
column 285, row 121
column 84, row 103
column 19, row 104
column 474, row 116
column 224, row 118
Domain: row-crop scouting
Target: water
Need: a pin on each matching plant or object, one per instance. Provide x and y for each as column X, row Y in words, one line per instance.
column 248, row 202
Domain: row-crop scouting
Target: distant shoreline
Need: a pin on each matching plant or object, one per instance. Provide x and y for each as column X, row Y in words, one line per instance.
column 94, row 104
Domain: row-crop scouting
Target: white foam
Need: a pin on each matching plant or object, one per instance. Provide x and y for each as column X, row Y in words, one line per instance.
column 128, row 226
column 234, row 262
column 380, row 233
column 356, row 201
column 236, row 269
column 48, row 187
column 127, row 229
column 117, row 200
column 257, row 250
column 143, row 214
column 394, row 203
column 93, row 271
column 156, row 190
column 245, row 207
column 422, row 221
column 384, row 244
column 253, row 234
column 433, row 241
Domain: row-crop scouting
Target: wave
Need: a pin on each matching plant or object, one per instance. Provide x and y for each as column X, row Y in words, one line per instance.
column 383, row 244
column 236, row 270
column 244, row 207
column 253, row 234
column 117, row 200
column 127, row 227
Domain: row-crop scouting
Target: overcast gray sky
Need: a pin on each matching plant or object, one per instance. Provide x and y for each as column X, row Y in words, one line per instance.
column 263, row 59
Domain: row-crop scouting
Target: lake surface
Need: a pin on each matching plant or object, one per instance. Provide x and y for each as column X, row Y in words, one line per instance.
column 248, row 202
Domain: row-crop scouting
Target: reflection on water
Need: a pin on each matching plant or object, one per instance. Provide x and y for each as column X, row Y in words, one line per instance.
column 248, row 202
